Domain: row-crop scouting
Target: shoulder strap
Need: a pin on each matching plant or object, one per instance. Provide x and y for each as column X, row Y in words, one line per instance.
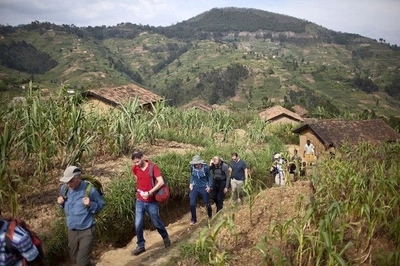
column 87, row 190
column 9, row 236
column 11, row 228
column 151, row 173
column 88, row 187
column 65, row 190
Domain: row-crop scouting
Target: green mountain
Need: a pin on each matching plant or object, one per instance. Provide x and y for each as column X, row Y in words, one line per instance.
column 242, row 58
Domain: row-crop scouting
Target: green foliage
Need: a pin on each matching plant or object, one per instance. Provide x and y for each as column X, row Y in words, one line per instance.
column 365, row 84
column 116, row 219
column 285, row 132
column 55, row 242
column 393, row 88
column 241, row 19
column 354, row 200
column 217, row 86
column 208, row 248
column 251, row 195
column 172, row 60
column 22, row 56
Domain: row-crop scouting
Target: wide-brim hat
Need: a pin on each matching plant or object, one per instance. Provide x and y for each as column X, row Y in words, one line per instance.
column 69, row 173
column 196, row 160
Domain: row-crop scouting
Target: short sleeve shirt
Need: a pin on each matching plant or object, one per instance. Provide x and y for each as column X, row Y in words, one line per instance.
column 309, row 149
column 238, row 169
column 143, row 181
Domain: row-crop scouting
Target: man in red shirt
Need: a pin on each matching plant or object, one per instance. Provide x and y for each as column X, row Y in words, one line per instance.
column 145, row 201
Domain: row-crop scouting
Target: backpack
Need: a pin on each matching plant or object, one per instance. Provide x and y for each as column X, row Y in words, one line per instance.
column 212, row 167
column 292, row 168
column 12, row 223
column 274, row 170
column 203, row 167
column 91, row 181
column 162, row 194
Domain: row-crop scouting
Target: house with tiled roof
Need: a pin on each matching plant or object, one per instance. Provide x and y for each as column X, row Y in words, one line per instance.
column 301, row 111
column 115, row 96
column 199, row 105
column 279, row 114
column 328, row 133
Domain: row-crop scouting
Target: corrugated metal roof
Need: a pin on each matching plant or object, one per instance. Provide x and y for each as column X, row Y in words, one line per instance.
column 277, row 110
column 121, row 94
column 338, row 132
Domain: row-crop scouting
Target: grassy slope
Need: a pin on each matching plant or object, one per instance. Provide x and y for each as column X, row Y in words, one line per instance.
column 84, row 63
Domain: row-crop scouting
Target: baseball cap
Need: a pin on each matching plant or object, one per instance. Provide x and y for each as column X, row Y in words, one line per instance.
column 70, row 173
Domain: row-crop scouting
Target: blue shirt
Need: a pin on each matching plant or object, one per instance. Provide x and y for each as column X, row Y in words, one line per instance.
column 21, row 241
column 201, row 177
column 79, row 217
column 238, row 169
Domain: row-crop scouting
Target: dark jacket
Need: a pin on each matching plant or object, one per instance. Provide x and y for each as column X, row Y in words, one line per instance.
column 220, row 172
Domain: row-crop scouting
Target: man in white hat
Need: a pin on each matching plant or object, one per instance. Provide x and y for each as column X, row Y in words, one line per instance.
column 279, row 172
column 80, row 210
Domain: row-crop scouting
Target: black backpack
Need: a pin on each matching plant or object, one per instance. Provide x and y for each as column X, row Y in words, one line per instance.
column 212, row 167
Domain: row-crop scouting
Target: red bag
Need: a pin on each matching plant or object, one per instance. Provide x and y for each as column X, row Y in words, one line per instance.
column 161, row 194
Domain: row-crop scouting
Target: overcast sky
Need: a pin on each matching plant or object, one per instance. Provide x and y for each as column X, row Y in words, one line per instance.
column 371, row 18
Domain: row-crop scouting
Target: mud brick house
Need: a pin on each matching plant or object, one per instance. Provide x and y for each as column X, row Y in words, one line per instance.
column 278, row 114
column 198, row 105
column 104, row 98
column 324, row 134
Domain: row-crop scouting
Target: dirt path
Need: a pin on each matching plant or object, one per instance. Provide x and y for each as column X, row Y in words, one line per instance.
column 156, row 253
column 272, row 205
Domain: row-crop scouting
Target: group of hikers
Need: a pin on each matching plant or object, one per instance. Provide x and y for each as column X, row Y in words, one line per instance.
column 81, row 202
column 296, row 166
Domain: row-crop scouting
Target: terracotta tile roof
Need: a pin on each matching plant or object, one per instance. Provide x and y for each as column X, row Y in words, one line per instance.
column 277, row 111
column 300, row 110
column 121, row 94
column 338, row 132
column 200, row 105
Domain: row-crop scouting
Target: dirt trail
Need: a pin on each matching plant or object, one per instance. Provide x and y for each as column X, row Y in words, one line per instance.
column 278, row 200
column 156, row 253
column 272, row 205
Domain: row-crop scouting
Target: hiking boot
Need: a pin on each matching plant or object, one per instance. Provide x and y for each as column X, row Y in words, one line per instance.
column 167, row 242
column 138, row 250
column 192, row 223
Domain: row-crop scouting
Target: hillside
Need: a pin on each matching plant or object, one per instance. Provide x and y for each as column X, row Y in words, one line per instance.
column 242, row 58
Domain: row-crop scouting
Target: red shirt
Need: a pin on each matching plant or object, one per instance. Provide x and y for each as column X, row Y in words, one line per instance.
column 143, row 180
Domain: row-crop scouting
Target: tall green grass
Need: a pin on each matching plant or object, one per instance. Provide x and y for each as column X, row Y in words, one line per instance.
column 355, row 200
column 355, row 195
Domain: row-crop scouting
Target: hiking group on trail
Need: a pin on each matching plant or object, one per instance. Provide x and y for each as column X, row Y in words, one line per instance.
column 81, row 198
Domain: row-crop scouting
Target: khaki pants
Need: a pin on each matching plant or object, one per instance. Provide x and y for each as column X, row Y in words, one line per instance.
column 237, row 190
column 80, row 245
